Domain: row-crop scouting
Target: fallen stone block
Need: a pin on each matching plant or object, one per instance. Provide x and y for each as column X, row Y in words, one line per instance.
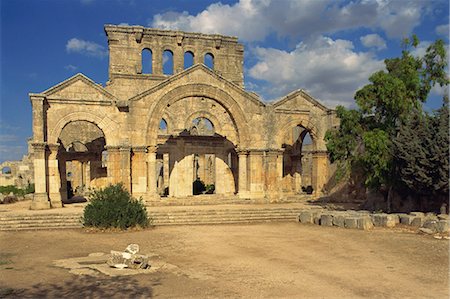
column 431, row 224
column 306, row 217
column 351, row 222
column 339, row 220
column 419, row 214
column 426, row 231
column 384, row 220
column 417, row 221
column 326, row 220
column 365, row 223
column 443, row 217
column 442, row 226
column 406, row 219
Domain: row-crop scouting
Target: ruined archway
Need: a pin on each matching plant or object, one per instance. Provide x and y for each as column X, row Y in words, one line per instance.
column 81, row 158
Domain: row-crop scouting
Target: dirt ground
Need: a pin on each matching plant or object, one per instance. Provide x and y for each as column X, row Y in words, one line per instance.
column 273, row 260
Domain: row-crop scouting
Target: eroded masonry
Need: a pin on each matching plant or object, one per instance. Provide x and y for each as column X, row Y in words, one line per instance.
column 160, row 131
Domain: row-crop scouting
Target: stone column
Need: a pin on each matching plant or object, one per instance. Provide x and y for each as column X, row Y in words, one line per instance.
column 54, row 179
column 139, row 171
column 166, row 170
column 256, row 175
column 63, row 176
column 113, row 164
column 87, row 175
column 37, row 103
column 272, row 175
column 125, row 166
column 320, row 171
column 40, row 198
column 242, row 176
column 152, row 188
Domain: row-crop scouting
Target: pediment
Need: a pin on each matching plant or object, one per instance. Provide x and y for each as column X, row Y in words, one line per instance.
column 298, row 101
column 200, row 74
column 78, row 87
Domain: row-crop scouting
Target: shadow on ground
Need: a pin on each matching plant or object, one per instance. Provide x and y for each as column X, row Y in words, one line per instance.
column 84, row 287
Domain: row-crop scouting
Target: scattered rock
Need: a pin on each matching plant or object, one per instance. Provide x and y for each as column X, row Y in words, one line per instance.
column 443, row 217
column 339, row 220
column 406, row 219
column 365, row 223
column 384, row 220
column 132, row 248
column 426, row 231
column 419, row 214
column 326, row 220
column 431, row 224
column 305, row 217
column 351, row 222
column 442, row 226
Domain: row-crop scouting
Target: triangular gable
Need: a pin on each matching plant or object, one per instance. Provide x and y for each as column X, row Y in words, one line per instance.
column 195, row 68
column 78, row 87
column 284, row 101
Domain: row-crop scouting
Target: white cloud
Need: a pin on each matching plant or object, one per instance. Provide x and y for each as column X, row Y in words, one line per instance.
column 373, row 41
column 443, row 30
column 328, row 69
column 75, row 45
column 71, row 67
column 253, row 20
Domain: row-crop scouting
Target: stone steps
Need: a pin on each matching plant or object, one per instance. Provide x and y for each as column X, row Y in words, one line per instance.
column 159, row 218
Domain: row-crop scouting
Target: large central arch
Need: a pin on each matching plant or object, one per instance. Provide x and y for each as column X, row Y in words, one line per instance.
column 197, row 90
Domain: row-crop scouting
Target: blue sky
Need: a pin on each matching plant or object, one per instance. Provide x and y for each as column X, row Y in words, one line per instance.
column 326, row 47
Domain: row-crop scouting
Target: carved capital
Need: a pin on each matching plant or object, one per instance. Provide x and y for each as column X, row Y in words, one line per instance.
column 39, row 146
column 140, row 149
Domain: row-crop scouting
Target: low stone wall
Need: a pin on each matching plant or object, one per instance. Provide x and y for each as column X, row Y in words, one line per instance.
column 429, row 223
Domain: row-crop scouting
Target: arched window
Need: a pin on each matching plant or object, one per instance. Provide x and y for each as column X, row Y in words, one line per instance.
column 168, row 62
column 163, row 126
column 147, row 67
column 6, row 170
column 188, row 59
column 209, row 60
column 307, row 139
column 202, row 126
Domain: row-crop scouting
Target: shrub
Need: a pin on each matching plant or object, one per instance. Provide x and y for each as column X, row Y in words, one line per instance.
column 209, row 189
column 114, row 207
column 17, row 191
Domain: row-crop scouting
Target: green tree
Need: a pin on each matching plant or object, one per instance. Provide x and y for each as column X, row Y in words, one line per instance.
column 366, row 136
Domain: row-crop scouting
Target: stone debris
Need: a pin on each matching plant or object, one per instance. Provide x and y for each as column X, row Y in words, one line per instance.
column 128, row 258
column 428, row 223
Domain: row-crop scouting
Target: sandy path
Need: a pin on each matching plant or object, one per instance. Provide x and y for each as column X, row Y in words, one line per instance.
column 251, row 261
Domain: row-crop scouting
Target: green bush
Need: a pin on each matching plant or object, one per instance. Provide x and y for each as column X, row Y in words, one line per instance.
column 17, row 191
column 114, row 207
column 209, row 189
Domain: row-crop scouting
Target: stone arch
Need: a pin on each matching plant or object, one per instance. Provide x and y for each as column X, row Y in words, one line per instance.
column 307, row 124
column 205, row 114
column 197, row 90
column 106, row 124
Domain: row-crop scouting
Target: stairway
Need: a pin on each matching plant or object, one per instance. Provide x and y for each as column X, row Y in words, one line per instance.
column 192, row 216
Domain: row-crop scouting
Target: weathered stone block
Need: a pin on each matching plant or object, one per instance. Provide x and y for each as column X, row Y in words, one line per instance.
column 406, row 219
column 419, row 214
column 326, row 220
column 365, row 223
column 443, row 217
column 417, row 221
column 442, row 226
column 384, row 220
column 351, row 222
column 306, row 217
column 339, row 220
column 426, row 231
column 431, row 224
